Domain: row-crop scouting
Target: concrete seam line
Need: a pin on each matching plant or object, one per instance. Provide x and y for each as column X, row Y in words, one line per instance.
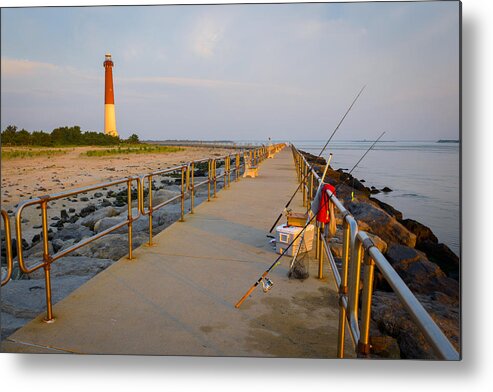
column 40, row 346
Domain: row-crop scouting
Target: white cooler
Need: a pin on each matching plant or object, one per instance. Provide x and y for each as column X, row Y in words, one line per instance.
column 286, row 234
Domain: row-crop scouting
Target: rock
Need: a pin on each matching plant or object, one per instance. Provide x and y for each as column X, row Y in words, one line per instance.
column 91, row 219
column 74, row 218
column 423, row 233
column 26, row 298
column 84, row 198
column 105, row 203
column 55, row 218
column 87, row 210
column 421, row 275
column 392, row 319
column 108, row 222
column 388, row 209
column 443, row 256
column 119, row 202
column 167, row 215
column 58, row 224
column 314, row 159
column 381, row 223
column 336, row 249
column 378, row 242
column 36, row 252
column 25, row 245
column 57, row 244
column 73, row 231
column 162, row 195
column 111, row 246
column 64, row 215
column 98, row 194
column 75, row 266
column 384, row 347
column 71, row 209
column 10, row 324
column 386, row 189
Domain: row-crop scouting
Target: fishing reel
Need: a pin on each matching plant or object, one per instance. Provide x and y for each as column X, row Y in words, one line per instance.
column 267, row 284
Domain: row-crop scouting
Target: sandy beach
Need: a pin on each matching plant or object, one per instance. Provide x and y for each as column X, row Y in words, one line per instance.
column 23, row 178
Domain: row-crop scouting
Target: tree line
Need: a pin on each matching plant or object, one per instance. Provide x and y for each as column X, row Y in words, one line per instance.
column 62, row 136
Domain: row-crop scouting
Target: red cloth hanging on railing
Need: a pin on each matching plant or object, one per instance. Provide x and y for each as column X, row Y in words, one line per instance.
column 323, row 214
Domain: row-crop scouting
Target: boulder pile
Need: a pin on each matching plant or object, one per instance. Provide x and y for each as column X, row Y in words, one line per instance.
column 429, row 268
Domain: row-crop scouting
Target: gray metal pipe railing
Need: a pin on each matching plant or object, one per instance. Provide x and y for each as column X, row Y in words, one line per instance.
column 359, row 250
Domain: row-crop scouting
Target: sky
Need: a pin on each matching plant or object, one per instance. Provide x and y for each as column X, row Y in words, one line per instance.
column 236, row 72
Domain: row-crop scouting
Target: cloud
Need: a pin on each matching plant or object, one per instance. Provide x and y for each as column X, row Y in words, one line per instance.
column 217, row 85
column 15, row 67
column 323, row 29
column 206, row 36
column 191, row 82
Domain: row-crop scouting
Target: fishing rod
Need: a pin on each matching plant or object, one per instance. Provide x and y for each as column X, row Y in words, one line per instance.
column 321, row 182
column 319, row 155
column 266, row 282
column 316, row 193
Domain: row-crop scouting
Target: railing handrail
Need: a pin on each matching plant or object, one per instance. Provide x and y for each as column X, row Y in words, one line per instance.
column 358, row 247
column 8, row 247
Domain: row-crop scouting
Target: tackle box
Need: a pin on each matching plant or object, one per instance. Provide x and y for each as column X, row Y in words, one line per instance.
column 286, row 234
column 297, row 218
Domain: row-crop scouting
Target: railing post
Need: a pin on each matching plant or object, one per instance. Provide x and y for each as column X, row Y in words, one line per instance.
column 364, row 340
column 354, row 282
column 46, row 263
column 209, row 178
column 129, row 218
column 8, row 247
column 150, row 210
column 229, row 170
column 343, row 288
column 182, row 218
column 311, row 187
column 237, row 164
column 214, row 163
column 303, row 183
column 320, row 233
column 192, row 186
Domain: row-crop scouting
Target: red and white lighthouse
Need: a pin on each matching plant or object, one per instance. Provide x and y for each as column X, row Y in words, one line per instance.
column 109, row 98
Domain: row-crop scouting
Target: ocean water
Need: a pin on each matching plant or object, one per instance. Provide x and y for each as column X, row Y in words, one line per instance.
column 424, row 177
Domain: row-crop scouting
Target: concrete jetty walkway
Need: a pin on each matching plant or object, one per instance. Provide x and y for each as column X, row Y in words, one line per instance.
column 177, row 298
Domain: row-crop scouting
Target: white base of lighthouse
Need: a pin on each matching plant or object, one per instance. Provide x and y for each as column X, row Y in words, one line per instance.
column 110, row 120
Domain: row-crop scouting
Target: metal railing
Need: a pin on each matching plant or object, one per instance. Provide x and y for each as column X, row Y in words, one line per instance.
column 359, row 251
column 134, row 183
column 188, row 185
column 8, row 247
column 48, row 259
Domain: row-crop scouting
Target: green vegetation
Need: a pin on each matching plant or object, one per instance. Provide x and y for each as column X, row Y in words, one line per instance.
column 133, row 149
column 30, row 153
column 62, row 136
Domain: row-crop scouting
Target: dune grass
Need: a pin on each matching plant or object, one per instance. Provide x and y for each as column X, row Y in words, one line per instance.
column 31, row 153
column 133, row 149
